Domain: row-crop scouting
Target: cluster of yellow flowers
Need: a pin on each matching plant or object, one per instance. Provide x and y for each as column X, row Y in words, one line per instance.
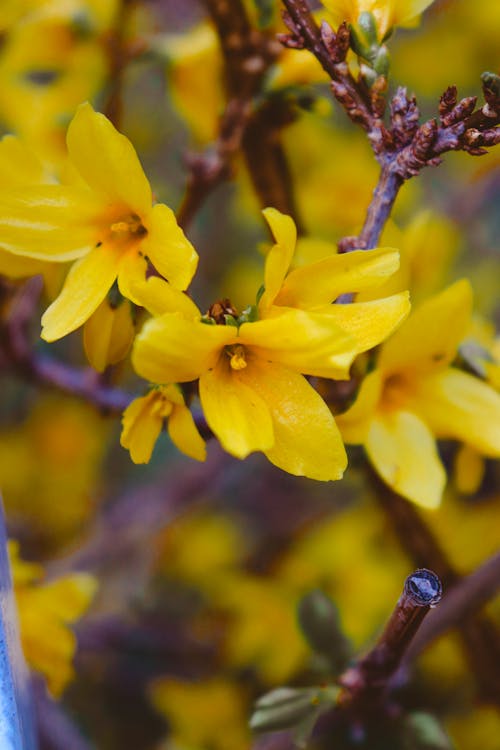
column 252, row 366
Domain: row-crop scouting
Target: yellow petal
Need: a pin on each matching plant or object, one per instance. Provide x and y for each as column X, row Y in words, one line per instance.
column 141, row 428
column 306, row 342
column 168, row 248
column 108, row 334
column 469, row 468
column 279, row 256
column 48, row 222
column 153, row 293
column 370, row 322
column 107, row 161
column 235, row 413
column 322, row 282
column 429, row 338
column 184, row 433
column 403, row 451
column 355, row 423
column 307, row 441
column 86, row 285
column 172, row 349
column 460, row 406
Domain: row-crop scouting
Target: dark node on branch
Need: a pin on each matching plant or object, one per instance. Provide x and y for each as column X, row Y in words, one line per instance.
column 447, row 101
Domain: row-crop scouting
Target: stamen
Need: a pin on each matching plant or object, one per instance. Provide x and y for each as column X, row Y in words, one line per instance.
column 237, row 354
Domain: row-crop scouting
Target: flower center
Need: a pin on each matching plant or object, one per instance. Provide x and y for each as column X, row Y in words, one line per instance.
column 237, row 356
column 127, row 229
column 395, row 393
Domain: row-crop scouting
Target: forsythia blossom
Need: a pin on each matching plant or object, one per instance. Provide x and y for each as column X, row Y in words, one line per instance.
column 415, row 395
column 106, row 221
column 251, row 367
column 144, row 418
column 45, row 611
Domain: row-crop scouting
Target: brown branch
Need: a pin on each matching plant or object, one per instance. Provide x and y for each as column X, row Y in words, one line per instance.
column 248, row 54
column 366, row 682
column 479, row 635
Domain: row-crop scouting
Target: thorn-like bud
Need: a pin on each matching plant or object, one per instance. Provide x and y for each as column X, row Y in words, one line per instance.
column 448, row 101
column 460, row 111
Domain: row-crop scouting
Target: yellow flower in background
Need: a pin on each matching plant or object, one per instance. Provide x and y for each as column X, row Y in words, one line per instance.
column 107, row 222
column 208, row 713
column 45, row 612
column 414, row 395
column 51, row 465
column 315, row 286
column 143, row 421
column 387, row 13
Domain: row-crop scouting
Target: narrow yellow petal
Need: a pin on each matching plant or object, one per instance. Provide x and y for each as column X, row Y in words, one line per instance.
column 172, row 349
column 108, row 334
column 107, row 161
column 460, row 406
column 429, row 338
column 322, row 282
column 86, row 285
column 156, row 295
column 304, row 341
column 403, row 451
column 141, row 428
column 184, row 433
column 168, row 248
column 355, row 423
column 307, row 441
column 279, row 256
column 48, row 222
column 235, row 413
column 18, row 267
column 370, row 323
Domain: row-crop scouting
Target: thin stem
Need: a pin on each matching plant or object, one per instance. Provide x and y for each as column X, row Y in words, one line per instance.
column 380, row 208
column 367, row 680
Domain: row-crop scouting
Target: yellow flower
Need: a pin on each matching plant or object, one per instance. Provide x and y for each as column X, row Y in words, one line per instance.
column 144, row 418
column 107, row 222
column 203, row 714
column 315, row 286
column 252, row 393
column 414, row 395
column 387, row 13
column 45, row 611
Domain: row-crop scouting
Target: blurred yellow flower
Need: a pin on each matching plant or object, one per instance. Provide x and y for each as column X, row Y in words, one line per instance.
column 45, row 611
column 387, row 13
column 107, row 222
column 203, row 714
column 414, row 396
column 51, row 464
column 144, row 418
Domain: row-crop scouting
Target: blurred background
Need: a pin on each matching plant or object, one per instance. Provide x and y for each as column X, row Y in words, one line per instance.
column 201, row 567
